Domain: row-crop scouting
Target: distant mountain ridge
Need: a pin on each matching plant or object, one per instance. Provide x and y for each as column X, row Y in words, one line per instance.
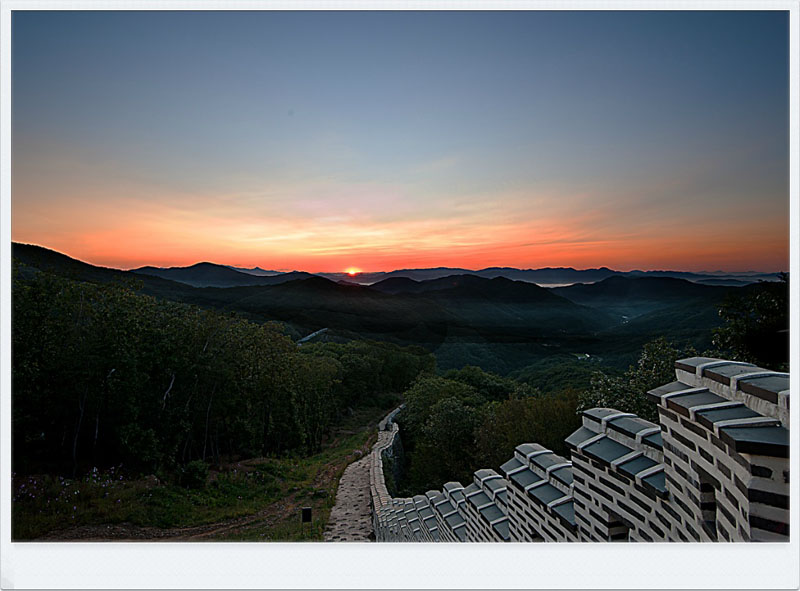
column 207, row 274
column 213, row 275
column 550, row 276
column 254, row 270
column 495, row 322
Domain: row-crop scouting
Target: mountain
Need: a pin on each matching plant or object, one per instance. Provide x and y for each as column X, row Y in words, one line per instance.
column 724, row 281
column 469, row 287
column 358, row 279
column 254, row 271
column 496, row 323
column 44, row 259
column 630, row 297
column 213, row 275
column 395, row 285
column 548, row 276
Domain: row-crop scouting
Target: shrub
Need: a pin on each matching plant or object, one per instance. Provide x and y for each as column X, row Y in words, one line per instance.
column 194, row 474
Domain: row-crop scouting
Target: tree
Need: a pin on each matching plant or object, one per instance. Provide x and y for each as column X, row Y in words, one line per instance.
column 423, row 395
column 655, row 367
column 756, row 328
column 489, row 385
column 445, row 449
column 546, row 420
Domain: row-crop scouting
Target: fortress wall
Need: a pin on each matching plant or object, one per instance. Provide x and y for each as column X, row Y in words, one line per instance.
column 727, row 449
column 715, row 468
column 380, row 499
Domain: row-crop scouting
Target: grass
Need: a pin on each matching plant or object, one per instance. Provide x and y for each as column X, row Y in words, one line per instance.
column 267, row 492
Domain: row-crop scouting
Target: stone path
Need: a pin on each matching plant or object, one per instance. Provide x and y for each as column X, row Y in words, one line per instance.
column 351, row 517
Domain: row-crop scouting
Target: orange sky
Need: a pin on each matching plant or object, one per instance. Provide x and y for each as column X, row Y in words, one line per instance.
column 524, row 139
column 160, row 240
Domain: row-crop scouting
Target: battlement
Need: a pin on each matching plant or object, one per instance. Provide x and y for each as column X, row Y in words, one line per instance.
column 715, row 468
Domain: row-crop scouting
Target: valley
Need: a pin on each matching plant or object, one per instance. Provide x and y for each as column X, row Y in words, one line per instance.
column 485, row 318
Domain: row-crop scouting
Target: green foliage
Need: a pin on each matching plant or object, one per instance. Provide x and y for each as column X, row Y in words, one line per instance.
column 489, row 385
column 366, row 368
column 557, row 373
column 102, row 375
column 468, row 419
column 445, row 449
column 654, row 368
column 546, row 420
column 423, row 395
column 49, row 503
column 756, row 326
column 194, row 474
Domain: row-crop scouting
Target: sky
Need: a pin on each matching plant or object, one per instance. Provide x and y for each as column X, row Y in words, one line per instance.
column 325, row 141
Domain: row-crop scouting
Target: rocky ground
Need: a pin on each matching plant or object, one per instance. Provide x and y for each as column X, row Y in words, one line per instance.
column 351, row 517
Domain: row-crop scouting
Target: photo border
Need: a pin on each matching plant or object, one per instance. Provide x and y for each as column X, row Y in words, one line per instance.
column 222, row 565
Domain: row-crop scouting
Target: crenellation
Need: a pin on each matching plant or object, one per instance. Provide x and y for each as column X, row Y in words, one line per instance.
column 715, row 468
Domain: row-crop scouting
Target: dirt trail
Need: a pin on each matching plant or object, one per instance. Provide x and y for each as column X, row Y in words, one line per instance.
column 212, row 531
column 267, row 517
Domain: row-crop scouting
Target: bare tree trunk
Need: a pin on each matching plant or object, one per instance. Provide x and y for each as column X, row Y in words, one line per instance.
column 169, row 389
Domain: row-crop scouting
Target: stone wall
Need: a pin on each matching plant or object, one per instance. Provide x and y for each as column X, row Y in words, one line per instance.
column 715, row 468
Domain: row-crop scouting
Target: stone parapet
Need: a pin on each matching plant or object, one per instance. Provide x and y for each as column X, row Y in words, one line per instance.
column 761, row 390
column 715, row 468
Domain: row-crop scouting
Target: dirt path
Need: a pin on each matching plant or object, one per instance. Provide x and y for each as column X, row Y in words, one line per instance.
column 351, row 517
column 211, row 531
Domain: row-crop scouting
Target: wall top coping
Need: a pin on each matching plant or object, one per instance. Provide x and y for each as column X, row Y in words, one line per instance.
column 737, row 376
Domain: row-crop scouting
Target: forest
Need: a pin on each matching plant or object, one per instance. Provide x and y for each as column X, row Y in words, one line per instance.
column 104, row 375
column 107, row 375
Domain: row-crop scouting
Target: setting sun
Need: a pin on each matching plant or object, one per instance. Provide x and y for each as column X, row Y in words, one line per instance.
column 352, row 271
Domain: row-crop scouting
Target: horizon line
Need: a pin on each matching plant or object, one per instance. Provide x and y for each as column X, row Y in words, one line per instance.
column 362, row 272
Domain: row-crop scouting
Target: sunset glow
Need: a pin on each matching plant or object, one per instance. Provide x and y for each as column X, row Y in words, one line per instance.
column 462, row 140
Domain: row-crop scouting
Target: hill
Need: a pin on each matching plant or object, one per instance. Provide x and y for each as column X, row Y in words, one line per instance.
column 629, row 297
column 213, row 275
column 470, row 287
column 43, row 259
column 496, row 323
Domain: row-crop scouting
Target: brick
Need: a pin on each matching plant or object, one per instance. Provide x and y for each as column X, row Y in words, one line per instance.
column 631, row 510
column 699, row 431
column 760, row 471
column 600, row 491
column 723, row 468
column 768, row 498
column 731, row 519
column 706, row 456
column 611, row 485
column 647, row 507
column 645, row 535
column 731, row 498
column 684, row 441
column 769, row 525
column 663, row 520
column 718, row 442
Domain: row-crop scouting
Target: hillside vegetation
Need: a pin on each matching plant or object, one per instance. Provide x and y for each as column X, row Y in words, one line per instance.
column 103, row 374
column 175, row 385
column 495, row 323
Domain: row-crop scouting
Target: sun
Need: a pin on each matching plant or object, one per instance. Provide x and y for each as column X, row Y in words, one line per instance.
column 352, row 271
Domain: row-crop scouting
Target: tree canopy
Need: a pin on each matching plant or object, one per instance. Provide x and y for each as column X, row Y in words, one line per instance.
column 103, row 375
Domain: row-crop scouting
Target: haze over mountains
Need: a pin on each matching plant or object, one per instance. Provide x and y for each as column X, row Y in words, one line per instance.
column 490, row 318
column 212, row 275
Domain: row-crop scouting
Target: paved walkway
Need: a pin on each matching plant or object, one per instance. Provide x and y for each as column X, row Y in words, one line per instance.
column 351, row 518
